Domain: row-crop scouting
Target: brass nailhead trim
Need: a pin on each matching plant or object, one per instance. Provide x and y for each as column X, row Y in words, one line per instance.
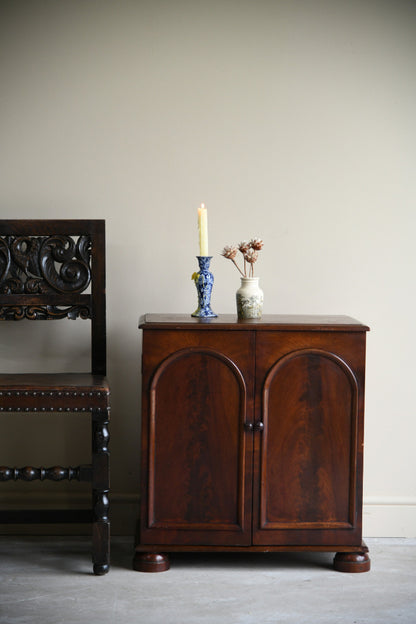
column 50, row 409
column 53, row 393
column 58, row 394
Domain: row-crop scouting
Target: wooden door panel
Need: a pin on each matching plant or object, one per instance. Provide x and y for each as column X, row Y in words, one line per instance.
column 199, row 465
column 307, row 449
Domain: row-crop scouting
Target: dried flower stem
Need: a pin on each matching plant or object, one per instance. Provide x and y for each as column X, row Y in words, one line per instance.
column 243, row 274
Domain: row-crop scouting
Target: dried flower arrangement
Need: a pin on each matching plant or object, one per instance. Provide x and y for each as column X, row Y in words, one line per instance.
column 250, row 251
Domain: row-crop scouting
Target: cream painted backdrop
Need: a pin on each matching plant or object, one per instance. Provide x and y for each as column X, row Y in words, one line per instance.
column 293, row 121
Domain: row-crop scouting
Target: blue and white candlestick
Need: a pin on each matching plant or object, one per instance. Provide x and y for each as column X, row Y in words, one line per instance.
column 204, row 283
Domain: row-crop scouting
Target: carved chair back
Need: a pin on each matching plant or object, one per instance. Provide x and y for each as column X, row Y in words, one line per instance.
column 54, row 269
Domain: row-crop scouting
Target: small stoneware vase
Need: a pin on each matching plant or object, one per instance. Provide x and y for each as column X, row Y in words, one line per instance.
column 249, row 299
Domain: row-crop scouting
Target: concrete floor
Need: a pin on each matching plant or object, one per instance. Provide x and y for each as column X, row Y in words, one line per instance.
column 48, row 581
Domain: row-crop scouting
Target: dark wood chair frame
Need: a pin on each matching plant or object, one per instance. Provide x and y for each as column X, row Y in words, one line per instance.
column 45, row 268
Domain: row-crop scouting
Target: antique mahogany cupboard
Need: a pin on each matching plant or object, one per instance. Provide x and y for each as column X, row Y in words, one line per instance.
column 252, row 437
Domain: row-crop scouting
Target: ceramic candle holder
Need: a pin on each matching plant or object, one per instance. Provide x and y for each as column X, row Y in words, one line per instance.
column 204, row 283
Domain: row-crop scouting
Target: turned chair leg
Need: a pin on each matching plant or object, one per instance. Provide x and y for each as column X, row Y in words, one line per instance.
column 100, row 490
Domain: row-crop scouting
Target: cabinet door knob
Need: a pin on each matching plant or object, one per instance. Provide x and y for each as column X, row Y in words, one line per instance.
column 248, row 426
column 258, row 426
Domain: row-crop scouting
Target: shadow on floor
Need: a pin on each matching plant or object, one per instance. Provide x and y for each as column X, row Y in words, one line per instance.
column 259, row 561
column 73, row 555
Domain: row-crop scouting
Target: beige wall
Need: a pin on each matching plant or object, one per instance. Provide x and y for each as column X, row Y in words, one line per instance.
column 294, row 121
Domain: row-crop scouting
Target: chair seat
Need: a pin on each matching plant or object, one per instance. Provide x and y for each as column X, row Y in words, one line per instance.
column 48, row 392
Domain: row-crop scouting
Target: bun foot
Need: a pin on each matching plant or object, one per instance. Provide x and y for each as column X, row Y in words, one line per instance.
column 352, row 562
column 150, row 562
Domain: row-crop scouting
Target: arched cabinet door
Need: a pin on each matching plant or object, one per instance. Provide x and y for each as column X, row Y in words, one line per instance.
column 198, row 458
column 307, row 451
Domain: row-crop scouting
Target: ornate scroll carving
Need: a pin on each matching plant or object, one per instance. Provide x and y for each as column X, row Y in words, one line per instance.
column 44, row 264
column 4, row 260
column 74, row 274
column 34, row 313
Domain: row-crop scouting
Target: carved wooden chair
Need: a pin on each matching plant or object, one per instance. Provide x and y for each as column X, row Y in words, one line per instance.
column 53, row 270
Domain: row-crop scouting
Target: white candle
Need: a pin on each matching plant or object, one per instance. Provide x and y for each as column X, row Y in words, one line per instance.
column 203, row 230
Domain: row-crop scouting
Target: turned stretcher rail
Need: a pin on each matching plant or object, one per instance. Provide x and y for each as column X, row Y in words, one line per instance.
column 54, row 473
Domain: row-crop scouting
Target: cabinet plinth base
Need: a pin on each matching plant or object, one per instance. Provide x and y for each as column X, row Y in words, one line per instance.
column 352, row 561
column 146, row 558
column 150, row 562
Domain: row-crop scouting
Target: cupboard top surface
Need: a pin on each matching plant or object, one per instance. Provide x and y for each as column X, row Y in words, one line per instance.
column 279, row 322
